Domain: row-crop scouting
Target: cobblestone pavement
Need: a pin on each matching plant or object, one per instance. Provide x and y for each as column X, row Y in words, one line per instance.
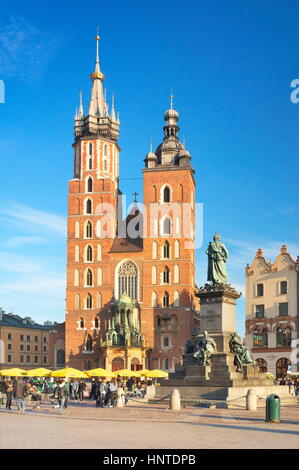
column 147, row 427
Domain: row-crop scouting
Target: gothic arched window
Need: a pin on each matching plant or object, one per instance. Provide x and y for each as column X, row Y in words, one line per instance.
column 96, row 322
column 88, row 232
column 166, row 194
column 90, row 148
column 89, row 253
column 166, row 226
column 88, row 206
column 89, row 185
column 166, row 250
column 165, row 299
column 166, row 275
column 127, row 280
column 89, row 277
column 89, row 301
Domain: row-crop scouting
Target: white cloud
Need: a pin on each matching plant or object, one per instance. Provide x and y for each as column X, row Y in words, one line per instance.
column 25, row 240
column 33, row 219
column 25, row 51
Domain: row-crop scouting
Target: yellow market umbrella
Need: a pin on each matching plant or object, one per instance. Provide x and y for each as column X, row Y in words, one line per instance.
column 125, row 373
column 70, row 372
column 39, row 372
column 15, row 372
column 157, row 373
column 142, row 372
column 99, row 373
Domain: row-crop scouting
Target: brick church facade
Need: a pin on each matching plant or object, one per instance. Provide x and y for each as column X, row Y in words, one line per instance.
column 130, row 282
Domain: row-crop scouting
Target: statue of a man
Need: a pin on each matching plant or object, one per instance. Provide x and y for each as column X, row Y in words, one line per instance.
column 205, row 347
column 241, row 352
column 217, row 259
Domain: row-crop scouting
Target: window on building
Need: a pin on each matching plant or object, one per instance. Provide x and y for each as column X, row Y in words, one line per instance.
column 158, row 321
column 282, row 367
column 89, row 185
column 88, row 227
column 89, row 253
column 166, row 342
column 45, row 360
column 45, row 339
column 165, row 299
column 166, row 364
column 90, row 164
column 28, row 338
column 21, row 347
column 21, row 337
column 9, row 336
column 28, row 359
column 81, row 323
column 166, row 250
column 89, row 301
column 283, row 287
column 90, row 149
column 166, row 226
column 45, row 349
column 177, row 249
column 36, row 359
column 9, row 358
column 96, row 322
column 260, row 311
column 166, row 194
column 154, row 299
column 166, row 275
column 283, row 308
column 89, row 277
column 176, row 299
column 88, row 206
column 260, row 290
column 21, row 359
column 28, row 347
column 260, row 338
column 262, row 364
column 9, row 346
column 35, row 348
column 36, row 339
column 127, row 280
column 283, row 337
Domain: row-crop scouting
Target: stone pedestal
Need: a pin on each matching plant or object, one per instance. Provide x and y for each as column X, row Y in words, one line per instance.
column 218, row 313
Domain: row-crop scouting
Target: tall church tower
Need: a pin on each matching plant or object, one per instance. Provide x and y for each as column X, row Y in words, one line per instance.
column 130, row 283
column 92, row 205
column 169, row 283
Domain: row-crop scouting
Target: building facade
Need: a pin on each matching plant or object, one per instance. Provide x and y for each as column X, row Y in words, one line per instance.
column 272, row 312
column 130, row 281
column 26, row 344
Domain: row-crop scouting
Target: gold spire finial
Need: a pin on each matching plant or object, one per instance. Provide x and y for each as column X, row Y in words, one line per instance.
column 171, row 100
column 98, row 37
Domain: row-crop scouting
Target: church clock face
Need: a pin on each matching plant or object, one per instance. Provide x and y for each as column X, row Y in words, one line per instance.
column 167, row 158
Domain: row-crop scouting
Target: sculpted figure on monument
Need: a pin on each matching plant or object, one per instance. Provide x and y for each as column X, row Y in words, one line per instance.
column 189, row 348
column 241, row 352
column 217, row 259
column 205, row 347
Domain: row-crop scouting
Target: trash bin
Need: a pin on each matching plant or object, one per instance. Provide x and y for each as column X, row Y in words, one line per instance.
column 273, row 408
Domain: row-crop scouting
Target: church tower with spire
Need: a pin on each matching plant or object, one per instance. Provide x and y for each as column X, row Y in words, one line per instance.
column 130, row 293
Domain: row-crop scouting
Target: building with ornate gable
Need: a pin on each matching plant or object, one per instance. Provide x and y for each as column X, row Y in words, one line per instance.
column 272, row 312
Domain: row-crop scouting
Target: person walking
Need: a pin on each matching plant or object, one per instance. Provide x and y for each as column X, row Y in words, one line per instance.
column 93, row 389
column 75, row 387
column 103, row 391
column 20, row 391
column 81, row 389
column 112, row 393
column 62, row 393
column 9, row 392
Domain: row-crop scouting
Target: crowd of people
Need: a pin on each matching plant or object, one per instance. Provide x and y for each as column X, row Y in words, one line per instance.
column 103, row 391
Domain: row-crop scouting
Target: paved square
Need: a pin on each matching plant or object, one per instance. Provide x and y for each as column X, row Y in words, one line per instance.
column 144, row 426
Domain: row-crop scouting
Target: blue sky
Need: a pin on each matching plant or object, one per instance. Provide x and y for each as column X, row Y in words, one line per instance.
column 229, row 64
